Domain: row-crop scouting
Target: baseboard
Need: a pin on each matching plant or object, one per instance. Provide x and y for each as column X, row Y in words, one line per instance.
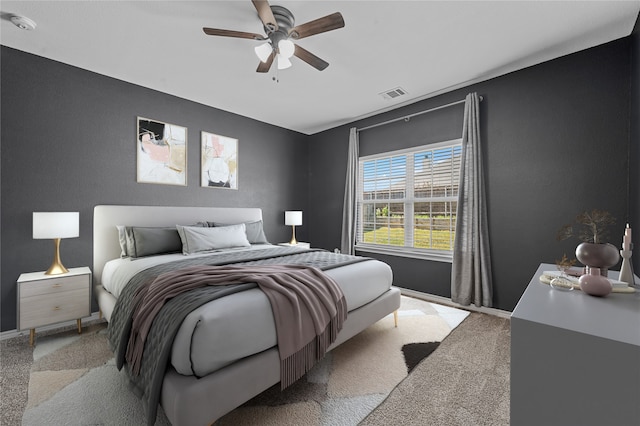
column 9, row 334
column 447, row 302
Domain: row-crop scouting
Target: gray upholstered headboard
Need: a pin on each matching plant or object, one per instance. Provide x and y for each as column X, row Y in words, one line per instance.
column 106, row 245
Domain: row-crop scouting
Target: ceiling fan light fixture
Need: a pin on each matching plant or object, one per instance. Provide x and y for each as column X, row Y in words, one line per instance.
column 286, row 48
column 264, row 51
column 283, row 62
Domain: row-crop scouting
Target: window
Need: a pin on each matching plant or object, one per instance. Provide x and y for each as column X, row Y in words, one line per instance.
column 407, row 201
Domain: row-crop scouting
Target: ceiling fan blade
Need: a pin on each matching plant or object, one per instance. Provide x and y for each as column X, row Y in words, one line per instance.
column 266, row 15
column 265, row 66
column 230, row 33
column 310, row 58
column 320, row 25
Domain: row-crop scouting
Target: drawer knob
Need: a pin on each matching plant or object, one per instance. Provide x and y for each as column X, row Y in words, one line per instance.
column 56, row 285
column 56, row 308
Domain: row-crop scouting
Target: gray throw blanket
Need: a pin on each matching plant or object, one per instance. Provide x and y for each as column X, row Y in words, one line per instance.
column 159, row 339
column 308, row 308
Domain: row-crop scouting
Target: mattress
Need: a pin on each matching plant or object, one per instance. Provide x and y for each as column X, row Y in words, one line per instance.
column 239, row 325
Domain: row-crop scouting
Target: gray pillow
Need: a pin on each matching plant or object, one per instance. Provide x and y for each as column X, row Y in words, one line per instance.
column 151, row 240
column 147, row 241
column 254, row 230
column 197, row 239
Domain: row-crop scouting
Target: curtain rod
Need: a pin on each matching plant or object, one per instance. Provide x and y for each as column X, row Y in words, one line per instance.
column 407, row 117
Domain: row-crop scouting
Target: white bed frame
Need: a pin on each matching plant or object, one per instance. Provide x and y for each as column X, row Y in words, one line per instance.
column 187, row 400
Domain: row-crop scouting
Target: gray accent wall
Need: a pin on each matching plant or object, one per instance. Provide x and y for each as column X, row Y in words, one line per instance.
column 555, row 142
column 69, row 144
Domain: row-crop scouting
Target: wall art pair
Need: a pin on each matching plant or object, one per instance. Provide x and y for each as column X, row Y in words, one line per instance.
column 162, row 156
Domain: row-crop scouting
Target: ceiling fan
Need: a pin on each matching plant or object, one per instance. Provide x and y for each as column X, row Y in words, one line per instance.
column 279, row 26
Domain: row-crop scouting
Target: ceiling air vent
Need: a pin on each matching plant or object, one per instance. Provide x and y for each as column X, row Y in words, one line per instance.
column 393, row 93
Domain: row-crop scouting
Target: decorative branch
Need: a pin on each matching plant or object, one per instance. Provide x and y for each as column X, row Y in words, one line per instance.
column 594, row 227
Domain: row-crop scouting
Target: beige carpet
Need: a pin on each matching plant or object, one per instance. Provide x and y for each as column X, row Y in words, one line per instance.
column 74, row 381
column 464, row 382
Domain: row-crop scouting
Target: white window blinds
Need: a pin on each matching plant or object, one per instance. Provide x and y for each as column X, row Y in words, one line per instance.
column 407, row 200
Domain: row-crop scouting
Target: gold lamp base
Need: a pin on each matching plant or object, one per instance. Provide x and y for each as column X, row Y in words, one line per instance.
column 293, row 241
column 56, row 267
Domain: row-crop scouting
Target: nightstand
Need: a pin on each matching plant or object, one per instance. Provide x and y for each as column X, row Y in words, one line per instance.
column 49, row 299
column 300, row 244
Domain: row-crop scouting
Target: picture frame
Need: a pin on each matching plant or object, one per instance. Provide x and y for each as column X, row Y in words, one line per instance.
column 218, row 161
column 161, row 152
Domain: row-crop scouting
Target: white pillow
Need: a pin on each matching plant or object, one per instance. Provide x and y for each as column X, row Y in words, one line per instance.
column 195, row 239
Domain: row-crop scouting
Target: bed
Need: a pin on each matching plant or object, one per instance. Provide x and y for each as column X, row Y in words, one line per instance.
column 205, row 378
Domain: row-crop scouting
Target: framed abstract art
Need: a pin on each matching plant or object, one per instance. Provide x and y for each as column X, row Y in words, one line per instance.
column 219, row 161
column 162, row 153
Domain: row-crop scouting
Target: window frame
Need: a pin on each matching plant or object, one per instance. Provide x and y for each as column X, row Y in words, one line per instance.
column 409, row 200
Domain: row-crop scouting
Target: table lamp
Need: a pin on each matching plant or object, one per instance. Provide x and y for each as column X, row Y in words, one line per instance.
column 56, row 225
column 293, row 219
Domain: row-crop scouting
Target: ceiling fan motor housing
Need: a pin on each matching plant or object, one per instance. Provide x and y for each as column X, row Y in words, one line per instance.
column 284, row 19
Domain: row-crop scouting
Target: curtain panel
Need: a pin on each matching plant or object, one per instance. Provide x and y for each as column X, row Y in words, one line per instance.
column 348, row 240
column 471, row 280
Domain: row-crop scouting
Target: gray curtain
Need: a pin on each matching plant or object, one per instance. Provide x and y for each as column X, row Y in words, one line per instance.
column 471, row 269
column 349, row 208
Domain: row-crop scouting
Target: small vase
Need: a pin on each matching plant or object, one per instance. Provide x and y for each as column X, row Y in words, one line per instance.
column 602, row 256
column 595, row 284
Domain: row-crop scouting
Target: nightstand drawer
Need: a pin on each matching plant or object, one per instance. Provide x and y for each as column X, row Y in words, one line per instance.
column 60, row 306
column 53, row 285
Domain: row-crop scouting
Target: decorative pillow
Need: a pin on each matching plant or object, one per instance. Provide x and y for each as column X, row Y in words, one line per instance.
column 147, row 241
column 197, row 239
column 254, row 230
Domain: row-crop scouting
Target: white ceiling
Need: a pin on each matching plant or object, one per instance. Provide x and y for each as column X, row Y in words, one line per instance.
column 425, row 47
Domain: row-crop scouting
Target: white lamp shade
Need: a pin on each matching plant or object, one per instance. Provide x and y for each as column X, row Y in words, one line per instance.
column 263, row 51
column 286, row 48
column 283, row 63
column 293, row 218
column 50, row 225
